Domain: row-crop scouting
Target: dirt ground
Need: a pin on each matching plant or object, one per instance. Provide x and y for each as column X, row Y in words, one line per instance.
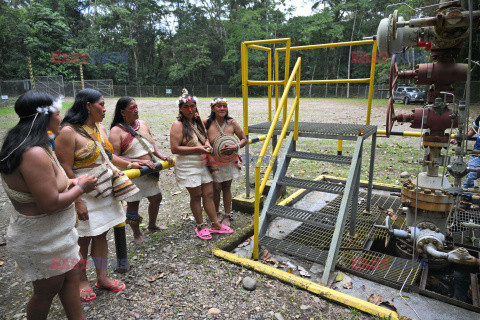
column 174, row 274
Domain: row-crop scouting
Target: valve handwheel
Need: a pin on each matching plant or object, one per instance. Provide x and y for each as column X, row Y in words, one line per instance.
column 391, row 86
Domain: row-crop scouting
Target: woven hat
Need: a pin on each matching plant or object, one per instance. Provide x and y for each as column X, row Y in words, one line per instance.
column 223, row 140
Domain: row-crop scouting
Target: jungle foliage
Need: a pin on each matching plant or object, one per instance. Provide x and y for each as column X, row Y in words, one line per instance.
column 179, row 42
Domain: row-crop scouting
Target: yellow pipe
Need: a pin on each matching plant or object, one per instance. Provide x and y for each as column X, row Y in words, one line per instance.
column 269, row 61
column 296, row 104
column 364, row 80
column 264, row 83
column 252, row 46
column 258, row 139
column 365, row 182
column 275, row 118
column 329, row 45
column 244, row 61
column 280, row 40
column 339, row 147
column 372, row 77
column 279, row 142
column 135, row 173
column 310, row 286
column 259, row 188
column 287, row 73
column 256, row 213
column 405, row 133
column 277, row 77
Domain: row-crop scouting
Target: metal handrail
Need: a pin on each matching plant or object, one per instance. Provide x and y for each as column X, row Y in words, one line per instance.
column 260, row 186
column 369, row 80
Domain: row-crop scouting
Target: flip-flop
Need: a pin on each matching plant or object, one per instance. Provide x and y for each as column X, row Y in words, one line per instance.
column 110, row 287
column 223, row 230
column 203, row 234
column 89, row 290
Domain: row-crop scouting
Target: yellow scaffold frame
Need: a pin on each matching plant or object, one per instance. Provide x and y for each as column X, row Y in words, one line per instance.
column 258, row 45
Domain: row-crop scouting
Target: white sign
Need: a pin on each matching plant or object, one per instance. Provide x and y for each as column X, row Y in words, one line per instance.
column 4, row 97
column 168, row 91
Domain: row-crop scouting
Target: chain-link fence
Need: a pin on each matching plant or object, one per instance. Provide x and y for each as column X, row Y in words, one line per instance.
column 14, row 88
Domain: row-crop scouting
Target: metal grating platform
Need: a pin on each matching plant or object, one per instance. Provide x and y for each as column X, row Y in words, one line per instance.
column 320, row 157
column 320, row 130
column 322, row 185
column 381, row 267
column 321, row 220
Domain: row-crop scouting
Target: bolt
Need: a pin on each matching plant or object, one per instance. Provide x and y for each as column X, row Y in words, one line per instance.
column 424, row 225
column 432, row 227
column 427, row 191
column 438, row 192
column 420, row 244
column 437, row 230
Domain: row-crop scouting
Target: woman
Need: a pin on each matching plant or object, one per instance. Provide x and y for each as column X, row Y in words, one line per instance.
column 78, row 152
column 41, row 236
column 228, row 138
column 132, row 140
column 188, row 140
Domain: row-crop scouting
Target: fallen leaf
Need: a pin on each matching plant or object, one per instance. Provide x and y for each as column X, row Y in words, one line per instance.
column 176, row 192
column 156, row 277
column 273, row 261
column 375, row 299
column 363, row 287
column 290, row 270
column 1, row 262
column 389, row 305
column 348, row 285
column 339, row 277
column 404, row 297
column 265, row 255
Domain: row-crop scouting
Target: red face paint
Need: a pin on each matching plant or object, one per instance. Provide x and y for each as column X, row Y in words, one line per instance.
column 133, row 110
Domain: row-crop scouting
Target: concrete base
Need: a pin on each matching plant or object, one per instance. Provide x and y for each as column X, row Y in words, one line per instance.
column 247, row 205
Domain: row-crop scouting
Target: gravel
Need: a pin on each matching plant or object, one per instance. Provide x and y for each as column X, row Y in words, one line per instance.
column 174, row 274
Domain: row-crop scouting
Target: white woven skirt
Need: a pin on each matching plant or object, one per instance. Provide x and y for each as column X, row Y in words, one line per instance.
column 190, row 172
column 148, row 185
column 226, row 171
column 45, row 245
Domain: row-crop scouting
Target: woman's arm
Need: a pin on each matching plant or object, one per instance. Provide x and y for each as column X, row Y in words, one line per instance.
column 37, row 171
column 115, row 139
column 239, row 133
column 65, row 151
column 176, row 137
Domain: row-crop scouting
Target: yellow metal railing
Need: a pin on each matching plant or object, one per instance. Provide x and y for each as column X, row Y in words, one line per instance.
column 369, row 80
column 260, row 185
column 245, row 82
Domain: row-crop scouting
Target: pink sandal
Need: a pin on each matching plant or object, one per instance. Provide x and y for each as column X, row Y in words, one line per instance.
column 223, row 230
column 204, row 233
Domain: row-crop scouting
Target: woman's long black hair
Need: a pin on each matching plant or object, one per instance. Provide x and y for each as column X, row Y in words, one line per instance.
column 78, row 113
column 29, row 132
column 211, row 117
column 187, row 130
column 122, row 104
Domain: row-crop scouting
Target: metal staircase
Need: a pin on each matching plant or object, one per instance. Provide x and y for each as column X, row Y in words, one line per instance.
column 349, row 190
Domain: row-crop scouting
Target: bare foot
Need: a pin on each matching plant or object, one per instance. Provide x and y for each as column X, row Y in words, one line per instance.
column 155, row 228
column 226, row 219
column 110, row 284
column 86, row 292
column 138, row 239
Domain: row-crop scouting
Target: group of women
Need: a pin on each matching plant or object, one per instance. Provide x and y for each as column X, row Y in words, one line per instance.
column 61, row 177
